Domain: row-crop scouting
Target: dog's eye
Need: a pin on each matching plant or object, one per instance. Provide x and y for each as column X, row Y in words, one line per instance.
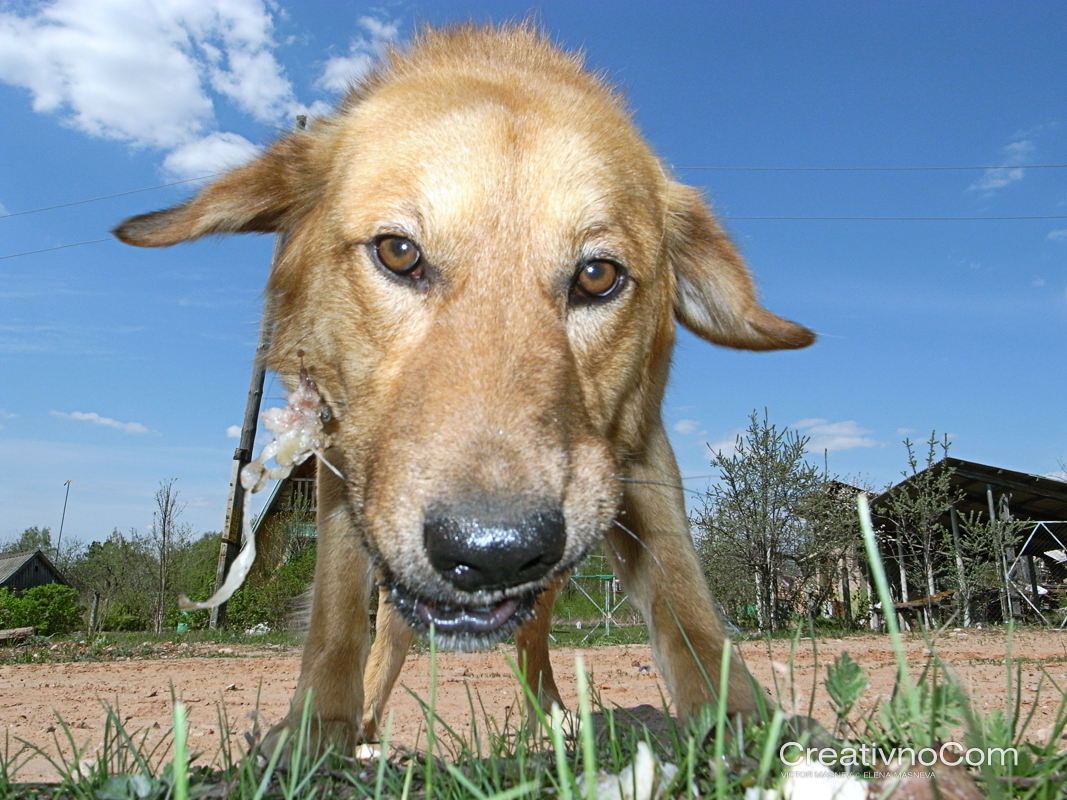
column 597, row 280
column 399, row 255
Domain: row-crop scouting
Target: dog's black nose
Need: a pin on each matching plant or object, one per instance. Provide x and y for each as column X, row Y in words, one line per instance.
column 479, row 552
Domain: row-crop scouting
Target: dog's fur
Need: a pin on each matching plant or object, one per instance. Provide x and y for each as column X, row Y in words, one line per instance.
column 492, row 419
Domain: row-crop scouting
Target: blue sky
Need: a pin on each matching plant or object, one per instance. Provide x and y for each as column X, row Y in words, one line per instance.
column 122, row 367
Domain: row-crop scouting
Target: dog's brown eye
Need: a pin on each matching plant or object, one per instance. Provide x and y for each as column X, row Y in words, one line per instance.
column 399, row 255
column 597, row 280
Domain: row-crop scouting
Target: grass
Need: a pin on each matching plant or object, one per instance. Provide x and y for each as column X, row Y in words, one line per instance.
column 117, row 646
column 712, row 756
column 591, row 755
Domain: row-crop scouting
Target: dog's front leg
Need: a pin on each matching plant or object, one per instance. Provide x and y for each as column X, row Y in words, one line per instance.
column 392, row 640
column 335, row 652
column 531, row 641
column 653, row 554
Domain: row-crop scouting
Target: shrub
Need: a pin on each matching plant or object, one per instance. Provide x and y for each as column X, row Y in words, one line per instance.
column 125, row 621
column 271, row 603
column 51, row 608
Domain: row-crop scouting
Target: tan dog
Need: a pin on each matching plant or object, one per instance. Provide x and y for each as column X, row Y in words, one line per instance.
column 483, row 270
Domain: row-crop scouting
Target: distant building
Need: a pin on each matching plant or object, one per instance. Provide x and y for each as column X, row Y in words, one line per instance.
column 1027, row 580
column 286, row 524
column 21, row 571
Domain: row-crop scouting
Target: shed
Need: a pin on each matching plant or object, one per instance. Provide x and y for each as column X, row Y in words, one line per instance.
column 21, row 571
column 1038, row 501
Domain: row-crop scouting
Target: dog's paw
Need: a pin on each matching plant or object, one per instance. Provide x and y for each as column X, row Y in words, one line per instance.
column 319, row 737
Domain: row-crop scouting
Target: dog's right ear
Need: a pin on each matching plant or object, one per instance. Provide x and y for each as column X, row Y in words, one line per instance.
column 264, row 196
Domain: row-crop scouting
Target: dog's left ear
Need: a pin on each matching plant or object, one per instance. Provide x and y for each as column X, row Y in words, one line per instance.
column 716, row 298
column 264, row 196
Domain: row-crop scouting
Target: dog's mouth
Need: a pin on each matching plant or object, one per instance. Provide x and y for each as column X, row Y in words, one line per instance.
column 462, row 626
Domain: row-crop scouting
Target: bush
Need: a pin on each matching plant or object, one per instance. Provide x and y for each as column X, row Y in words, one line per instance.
column 271, row 603
column 125, row 621
column 52, row 608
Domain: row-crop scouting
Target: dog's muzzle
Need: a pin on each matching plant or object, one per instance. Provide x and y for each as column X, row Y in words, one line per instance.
column 498, row 554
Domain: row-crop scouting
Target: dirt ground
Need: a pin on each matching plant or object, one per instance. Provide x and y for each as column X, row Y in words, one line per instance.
column 246, row 678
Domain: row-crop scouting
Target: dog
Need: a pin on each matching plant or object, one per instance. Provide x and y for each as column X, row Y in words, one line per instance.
column 482, row 270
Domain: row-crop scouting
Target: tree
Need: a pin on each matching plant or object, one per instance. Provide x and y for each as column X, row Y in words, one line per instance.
column 117, row 575
column 771, row 532
column 41, row 539
column 194, row 575
column 168, row 537
column 915, row 508
column 988, row 552
column 30, row 539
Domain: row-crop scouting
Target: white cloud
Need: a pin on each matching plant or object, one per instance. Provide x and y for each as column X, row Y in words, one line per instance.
column 904, row 431
column 1060, row 234
column 256, row 84
column 339, row 73
column 824, row 435
column 233, row 432
column 96, row 419
column 1058, row 475
column 139, row 72
column 5, row 414
column 686, row 427
column 1018, row 152
column 209, row 155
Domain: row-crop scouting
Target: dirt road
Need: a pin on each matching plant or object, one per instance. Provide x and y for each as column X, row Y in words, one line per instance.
column 244, row 679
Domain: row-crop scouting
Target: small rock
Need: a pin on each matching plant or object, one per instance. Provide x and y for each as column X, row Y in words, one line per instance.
column 365, row 752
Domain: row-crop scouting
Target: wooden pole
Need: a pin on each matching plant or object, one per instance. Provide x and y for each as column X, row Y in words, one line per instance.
column 1007, row 608
column 230, row 545
column 846, row 590
column 964, row 595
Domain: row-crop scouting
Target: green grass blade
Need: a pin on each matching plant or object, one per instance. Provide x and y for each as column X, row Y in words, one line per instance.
column 874, row 557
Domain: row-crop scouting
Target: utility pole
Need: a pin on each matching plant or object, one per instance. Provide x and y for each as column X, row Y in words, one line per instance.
column 230, row 545
column 63, row 518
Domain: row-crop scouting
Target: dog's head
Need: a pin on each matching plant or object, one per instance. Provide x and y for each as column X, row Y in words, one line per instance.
column 483, row 266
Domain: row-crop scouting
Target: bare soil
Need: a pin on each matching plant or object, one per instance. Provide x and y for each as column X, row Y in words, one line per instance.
column 245, row 679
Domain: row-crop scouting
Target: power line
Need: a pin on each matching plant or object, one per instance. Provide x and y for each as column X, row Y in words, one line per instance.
column 721, row 216
column 706, row 169
column 872, row 169
column 104, row 197
column 719, row 169
column 59, row 247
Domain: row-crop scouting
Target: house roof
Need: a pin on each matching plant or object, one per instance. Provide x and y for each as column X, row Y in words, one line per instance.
column 11, row 563
column 1029, row 497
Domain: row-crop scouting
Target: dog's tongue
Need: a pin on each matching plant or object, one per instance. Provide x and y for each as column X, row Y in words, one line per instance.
column 460, row 620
